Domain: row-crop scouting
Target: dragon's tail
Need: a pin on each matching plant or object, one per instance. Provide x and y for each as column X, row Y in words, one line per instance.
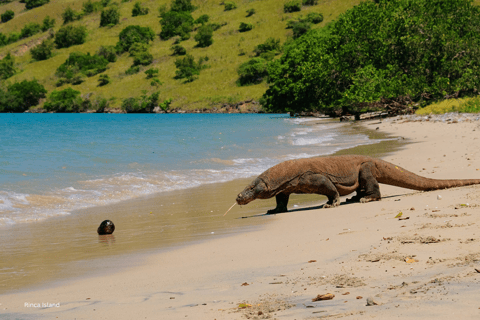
column 391, row 174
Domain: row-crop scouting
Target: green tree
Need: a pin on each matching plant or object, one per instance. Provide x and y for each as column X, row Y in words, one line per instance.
column 398, row 51
column 43, row 51
column 145, row 104
column 110, row 16
column 7, row 16
column 48, row 23
column 230, row 5
column 250, row 12
column 30, row 29
column 138, row 10
column 67, row 100
column 108, row 52
column 151, row 73
column 204, row 36
column 103, row 80
column 90, row 7
column 70, row 15
column 70, row 35
column 7, row 67
column 178, row 50
column 187, row 68
column 300, row 28
column 252, row 72
column 292, row 6
column 176, row 24
column 26, row 94
column 182, row 6
column 271, row 44
column 80, row 64
column 202, row 19
column 133, row 34
column 245, row 26
column 30, row 4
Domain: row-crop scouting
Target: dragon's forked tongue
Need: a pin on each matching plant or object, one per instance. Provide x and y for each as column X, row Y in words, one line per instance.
column 230, row 209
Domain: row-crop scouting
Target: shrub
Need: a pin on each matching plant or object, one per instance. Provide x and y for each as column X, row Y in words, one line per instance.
column 245, row 26
column 204, row 36
column 30, row 29
column 165, row 105
column 253, row 71
column 26, row 94
column 30, row 4
column 155, row 82
column 314, row 17
column 140, row 54
column 187, row 68
column 7, row 67
column 145, row 104
column 108, row 52
column 43, row 51
column 300, row 28
column 13, row 37
column 215, row 26
column 90, row 7
column 137, row 48
column 309, row 2
column 67, row 100
column 182, row 6
column 202, row 19
column 132, row 70
column 7, row 16
column 110, row 17
column 151, row 73
column 178, row 50
column 271, row 44
column 70, row 15
column 103, row 80
column 134, row 34
column 79, row 64
column 68, row 36
column 138, row 10
column 48, row 23
column 176, row 24
column 292, row 6
column 250, row 12
column 230, row 5
column 142, row 58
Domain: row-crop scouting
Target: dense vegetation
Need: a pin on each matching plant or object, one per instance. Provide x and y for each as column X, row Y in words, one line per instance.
column 405, row 51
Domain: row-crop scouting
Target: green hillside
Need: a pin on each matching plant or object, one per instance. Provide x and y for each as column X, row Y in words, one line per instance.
column 215, row 85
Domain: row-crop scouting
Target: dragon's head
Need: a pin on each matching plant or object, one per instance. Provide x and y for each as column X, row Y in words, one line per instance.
column 255, row 190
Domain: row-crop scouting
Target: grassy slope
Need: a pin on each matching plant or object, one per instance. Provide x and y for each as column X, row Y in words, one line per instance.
column 215, row 85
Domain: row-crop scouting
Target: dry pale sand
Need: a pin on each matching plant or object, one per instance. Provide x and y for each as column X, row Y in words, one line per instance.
column 422, row 267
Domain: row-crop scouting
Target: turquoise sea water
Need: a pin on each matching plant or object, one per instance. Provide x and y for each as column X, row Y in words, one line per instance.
column 52, row 164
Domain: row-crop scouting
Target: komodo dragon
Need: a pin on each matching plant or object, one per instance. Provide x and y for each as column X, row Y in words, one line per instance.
column 337, row 176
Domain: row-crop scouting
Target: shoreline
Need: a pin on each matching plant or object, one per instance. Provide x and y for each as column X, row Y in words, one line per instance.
column 144, row 224
column 358, row 248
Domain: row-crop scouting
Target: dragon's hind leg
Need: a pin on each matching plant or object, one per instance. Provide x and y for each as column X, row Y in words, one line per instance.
column 368, row 184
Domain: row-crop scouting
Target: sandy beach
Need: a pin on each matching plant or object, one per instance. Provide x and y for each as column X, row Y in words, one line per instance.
column 377, row 263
